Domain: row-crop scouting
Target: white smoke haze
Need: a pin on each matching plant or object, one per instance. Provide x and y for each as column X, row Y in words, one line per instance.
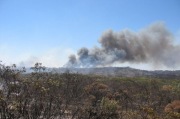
column 152, row 45
column 55, row 57
column 177, row 37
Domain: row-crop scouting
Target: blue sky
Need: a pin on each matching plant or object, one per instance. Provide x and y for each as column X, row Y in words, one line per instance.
column 48, row 31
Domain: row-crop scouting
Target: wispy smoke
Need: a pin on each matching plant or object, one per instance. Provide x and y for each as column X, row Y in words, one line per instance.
column 153, row 44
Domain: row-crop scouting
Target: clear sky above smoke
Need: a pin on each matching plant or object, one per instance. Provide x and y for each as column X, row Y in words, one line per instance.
column 48, row 31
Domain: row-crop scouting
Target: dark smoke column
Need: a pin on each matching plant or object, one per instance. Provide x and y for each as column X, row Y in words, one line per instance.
column 153, row 45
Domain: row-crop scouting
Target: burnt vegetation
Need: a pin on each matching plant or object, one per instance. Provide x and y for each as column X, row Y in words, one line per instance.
column 48, row 95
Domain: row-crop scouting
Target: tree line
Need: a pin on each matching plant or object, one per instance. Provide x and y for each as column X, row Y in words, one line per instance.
column 47, row 95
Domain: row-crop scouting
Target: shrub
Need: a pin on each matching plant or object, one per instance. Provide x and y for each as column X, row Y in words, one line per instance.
column 173, row 106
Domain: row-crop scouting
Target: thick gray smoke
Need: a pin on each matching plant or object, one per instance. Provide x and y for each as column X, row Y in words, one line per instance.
column 153, row 45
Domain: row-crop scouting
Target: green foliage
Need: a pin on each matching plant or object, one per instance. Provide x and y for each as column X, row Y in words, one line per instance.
column 109, row 105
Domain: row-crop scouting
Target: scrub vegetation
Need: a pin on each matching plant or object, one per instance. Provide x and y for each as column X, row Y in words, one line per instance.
column 47, row 95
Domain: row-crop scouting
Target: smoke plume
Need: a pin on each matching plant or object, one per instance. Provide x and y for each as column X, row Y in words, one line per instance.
column 153, row 44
